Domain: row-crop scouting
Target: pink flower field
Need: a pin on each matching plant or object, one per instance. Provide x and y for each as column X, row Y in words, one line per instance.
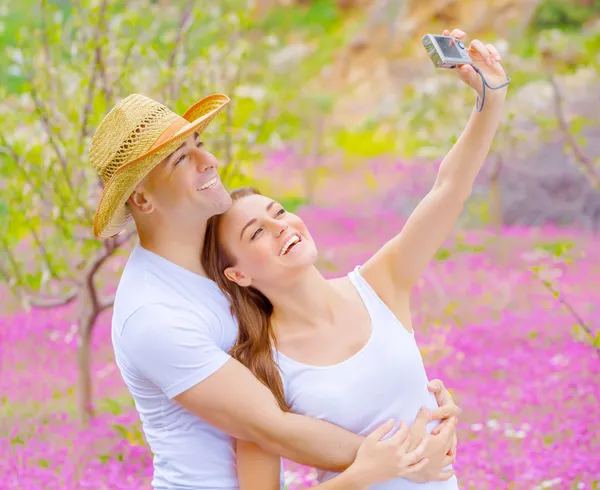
column 525, row 375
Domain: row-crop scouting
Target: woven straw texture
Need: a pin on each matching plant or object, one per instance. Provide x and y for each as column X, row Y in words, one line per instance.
column 121, row 150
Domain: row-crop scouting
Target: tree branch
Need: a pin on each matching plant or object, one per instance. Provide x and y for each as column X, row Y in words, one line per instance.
column 59, row 153
column 229, row 170
column 105, row 253
column 47, row 125
column 4, row 273
column 13, row 262
column 48, row 55
column 107, row 303
column 92, row 84
column 125, row 62
column 121, row 240
column 570, row 141
column 42, row 302
column 183, row 23
column 563, row 301
column 42, row 249
column 9, row 150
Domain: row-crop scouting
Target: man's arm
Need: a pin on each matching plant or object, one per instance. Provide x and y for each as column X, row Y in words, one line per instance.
column 233, row 400
column 176, row 351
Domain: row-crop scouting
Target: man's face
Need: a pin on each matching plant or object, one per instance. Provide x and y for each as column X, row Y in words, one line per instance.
column 185, row 187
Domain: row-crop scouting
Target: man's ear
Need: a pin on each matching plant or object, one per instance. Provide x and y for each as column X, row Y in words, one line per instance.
column 238, row 277
column 140, row 200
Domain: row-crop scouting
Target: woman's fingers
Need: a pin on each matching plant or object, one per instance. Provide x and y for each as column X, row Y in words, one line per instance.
column 493, row 52
column 457, row 33
column 478, row 47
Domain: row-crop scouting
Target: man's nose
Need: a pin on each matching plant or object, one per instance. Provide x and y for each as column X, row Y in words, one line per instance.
column 203, row 159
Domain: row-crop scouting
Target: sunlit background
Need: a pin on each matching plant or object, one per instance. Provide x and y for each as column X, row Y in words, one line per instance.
column 337, row 111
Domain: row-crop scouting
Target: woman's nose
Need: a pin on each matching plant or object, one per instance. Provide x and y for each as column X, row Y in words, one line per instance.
column 278, row 228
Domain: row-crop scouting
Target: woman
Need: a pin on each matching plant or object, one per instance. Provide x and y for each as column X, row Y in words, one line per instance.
column 344, row 349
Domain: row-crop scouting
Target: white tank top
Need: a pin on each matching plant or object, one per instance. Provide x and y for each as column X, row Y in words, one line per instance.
column 385, row 379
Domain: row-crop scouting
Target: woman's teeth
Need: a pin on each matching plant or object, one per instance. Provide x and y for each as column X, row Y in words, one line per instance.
column 210, row 183
column 289, row 242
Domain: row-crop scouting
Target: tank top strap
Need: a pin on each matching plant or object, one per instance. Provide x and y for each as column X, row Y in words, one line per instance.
column 367, row 293
column 376, row 306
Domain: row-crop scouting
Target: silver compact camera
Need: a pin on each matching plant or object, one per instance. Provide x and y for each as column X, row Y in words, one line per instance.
column 446, row 51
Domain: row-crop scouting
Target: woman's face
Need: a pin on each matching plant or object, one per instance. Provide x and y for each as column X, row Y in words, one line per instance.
column 269, row 246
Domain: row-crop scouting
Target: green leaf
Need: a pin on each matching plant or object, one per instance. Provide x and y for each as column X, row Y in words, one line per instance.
column 109, row 405
column 442, row 254
column 121, row 430
column 292, row 204
column 558, row 248
column 34, row 280
column 17, row 440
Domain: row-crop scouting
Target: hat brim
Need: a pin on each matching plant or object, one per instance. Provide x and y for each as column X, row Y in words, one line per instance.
column 112, row 215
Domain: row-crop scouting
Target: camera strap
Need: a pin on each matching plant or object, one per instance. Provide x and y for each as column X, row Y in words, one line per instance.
column 485, row 84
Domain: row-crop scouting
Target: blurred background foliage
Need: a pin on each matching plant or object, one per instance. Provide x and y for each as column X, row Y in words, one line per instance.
column 318, row 88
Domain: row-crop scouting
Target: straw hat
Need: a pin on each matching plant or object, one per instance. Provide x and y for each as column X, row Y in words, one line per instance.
column 133, row 138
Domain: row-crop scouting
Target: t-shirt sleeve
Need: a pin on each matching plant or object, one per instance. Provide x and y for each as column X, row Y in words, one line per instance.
column 175, row 349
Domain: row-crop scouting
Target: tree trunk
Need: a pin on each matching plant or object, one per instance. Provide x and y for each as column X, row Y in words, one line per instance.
column 496, row 214
column 86, row 322
column 90, row 306
column 496, row 204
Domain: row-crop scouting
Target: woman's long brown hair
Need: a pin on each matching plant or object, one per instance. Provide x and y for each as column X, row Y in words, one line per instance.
column 253, row 310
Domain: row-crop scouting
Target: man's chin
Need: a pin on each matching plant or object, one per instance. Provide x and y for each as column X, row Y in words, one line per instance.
column 220, row 204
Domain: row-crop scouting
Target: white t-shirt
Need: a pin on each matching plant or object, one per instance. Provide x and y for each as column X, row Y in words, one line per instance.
column 172, row 329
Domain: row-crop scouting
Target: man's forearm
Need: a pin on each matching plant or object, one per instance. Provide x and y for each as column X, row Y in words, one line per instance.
column 248, row 410
column 309, row 441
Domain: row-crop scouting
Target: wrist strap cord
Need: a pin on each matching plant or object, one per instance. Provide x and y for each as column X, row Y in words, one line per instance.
column 485, row 84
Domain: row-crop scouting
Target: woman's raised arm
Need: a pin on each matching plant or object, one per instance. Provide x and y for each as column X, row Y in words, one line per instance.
column 397, row 266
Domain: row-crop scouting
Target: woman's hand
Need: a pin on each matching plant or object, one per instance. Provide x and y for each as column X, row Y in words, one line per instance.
column 383, row 460
column 487, row 58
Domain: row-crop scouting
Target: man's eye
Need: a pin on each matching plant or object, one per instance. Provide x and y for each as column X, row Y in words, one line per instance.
column 255, row 234
column 181, row 158
column 200, row 144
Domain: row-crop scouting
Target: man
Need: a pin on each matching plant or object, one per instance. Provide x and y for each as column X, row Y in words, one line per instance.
column 172, row 327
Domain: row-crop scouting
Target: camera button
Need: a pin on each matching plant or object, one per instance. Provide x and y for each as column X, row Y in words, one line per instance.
column 461, row 45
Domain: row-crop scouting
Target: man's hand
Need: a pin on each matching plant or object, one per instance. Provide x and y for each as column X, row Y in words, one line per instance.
column 447, row 408
column 441, row 450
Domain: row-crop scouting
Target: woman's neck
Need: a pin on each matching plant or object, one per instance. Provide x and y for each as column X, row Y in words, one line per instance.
column 307, row 301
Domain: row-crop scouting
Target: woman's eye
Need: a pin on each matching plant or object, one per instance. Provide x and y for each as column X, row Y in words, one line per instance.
column 280, row 212
column 255, row 234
